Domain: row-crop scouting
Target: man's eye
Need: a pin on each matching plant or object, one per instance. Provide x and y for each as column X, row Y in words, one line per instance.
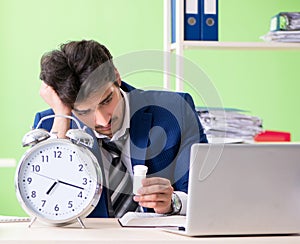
column 82, row 113
column 107, row 101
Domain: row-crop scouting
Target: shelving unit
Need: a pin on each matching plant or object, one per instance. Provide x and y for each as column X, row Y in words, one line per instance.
column 212, row 45
column 181, row 44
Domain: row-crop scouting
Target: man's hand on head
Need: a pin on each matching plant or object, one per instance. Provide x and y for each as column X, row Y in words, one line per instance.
column 60, row 125
column 52, row 99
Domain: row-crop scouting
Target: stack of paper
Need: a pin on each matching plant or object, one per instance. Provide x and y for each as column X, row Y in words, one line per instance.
column 10, row 219
column 282, row 36
column 285, row 27
column 229, row 124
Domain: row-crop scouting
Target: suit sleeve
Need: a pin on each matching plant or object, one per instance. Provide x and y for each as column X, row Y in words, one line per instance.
column 188, row 98
column 191, row 132
column 46, row 124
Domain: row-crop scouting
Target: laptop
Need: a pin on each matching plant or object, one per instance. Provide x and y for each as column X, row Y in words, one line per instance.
column 243, row 189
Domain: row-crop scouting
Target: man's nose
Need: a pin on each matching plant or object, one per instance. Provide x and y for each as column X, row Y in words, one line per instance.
column 102, row 117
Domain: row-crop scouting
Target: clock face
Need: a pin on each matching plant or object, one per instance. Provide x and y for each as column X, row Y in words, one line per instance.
column 58, row 181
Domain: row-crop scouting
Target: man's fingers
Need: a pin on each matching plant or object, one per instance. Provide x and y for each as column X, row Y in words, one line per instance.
column 159, row 202
column 156, row 193
column 155, row 181
column 151, row 189
column 151, row 198
column 154, row 205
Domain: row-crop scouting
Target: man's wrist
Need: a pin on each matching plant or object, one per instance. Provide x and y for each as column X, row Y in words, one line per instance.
column 176, row 204
column 60, row 126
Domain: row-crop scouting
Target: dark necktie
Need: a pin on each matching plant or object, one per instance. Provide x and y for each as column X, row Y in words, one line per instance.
column 120, row 183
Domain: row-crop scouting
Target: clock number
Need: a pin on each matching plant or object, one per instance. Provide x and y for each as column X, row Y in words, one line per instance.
column 45, row 158
column 80, row 167
column 71, row 158
column 43, row 203
column 36, row 168
column 33, row 194
column 80, row 194
column 57, row 154
column 29, row 180
column 56, row 208
column 84, row 181
column 70, row 204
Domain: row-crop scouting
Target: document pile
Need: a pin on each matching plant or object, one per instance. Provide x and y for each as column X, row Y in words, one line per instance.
column 285, row 27
column 229, row 125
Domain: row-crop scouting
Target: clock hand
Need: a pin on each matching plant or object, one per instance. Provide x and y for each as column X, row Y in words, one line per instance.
column 45, row 176
column 70, row 184
column 50, row 189
column 58, row 181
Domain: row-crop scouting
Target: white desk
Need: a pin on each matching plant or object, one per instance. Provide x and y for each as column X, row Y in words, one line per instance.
column 109, row 231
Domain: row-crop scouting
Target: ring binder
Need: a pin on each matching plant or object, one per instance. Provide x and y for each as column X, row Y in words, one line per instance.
column 200, row 20
column 209, row 20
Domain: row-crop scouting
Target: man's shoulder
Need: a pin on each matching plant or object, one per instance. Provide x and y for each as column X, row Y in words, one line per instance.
column 160, row 96
column 47, row 124
column 155, row 94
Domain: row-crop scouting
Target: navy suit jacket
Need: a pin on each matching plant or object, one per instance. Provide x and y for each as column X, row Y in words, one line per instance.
column 163, row 127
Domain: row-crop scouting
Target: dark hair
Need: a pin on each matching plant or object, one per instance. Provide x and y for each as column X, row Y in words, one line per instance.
column 67, row 68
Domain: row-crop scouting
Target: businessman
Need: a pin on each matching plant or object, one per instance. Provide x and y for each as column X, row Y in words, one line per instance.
column 129, row 127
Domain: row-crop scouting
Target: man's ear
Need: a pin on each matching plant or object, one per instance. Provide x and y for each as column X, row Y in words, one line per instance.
column 118, row 78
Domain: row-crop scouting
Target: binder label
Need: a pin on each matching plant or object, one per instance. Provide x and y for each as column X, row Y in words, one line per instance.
column 191, row 7
column 210, row 6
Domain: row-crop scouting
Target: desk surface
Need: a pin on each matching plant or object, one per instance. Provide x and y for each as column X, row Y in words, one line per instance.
column 108, row 230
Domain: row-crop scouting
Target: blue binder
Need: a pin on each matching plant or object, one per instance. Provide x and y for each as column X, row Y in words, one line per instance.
column 200, row 20
column 192, row 20
column 173, row 21
column 209, row 20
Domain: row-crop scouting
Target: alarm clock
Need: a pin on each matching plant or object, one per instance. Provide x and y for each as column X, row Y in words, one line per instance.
column 58, row 181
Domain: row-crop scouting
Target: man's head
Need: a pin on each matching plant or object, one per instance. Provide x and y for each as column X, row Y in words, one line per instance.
column 83, row 75
column 67, row 68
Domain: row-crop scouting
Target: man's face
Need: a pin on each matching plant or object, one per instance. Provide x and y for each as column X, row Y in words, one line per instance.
column 103, row 111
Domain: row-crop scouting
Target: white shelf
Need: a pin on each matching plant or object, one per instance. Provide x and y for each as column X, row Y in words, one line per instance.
column 7, row 162
column 182, row 45
column 216, row 45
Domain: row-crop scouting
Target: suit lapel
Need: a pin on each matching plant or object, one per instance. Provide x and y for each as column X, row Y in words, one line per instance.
column 140, row 124
column 139, row 137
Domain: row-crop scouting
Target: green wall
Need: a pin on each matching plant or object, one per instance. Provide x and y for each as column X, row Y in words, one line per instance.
column 263, row 82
